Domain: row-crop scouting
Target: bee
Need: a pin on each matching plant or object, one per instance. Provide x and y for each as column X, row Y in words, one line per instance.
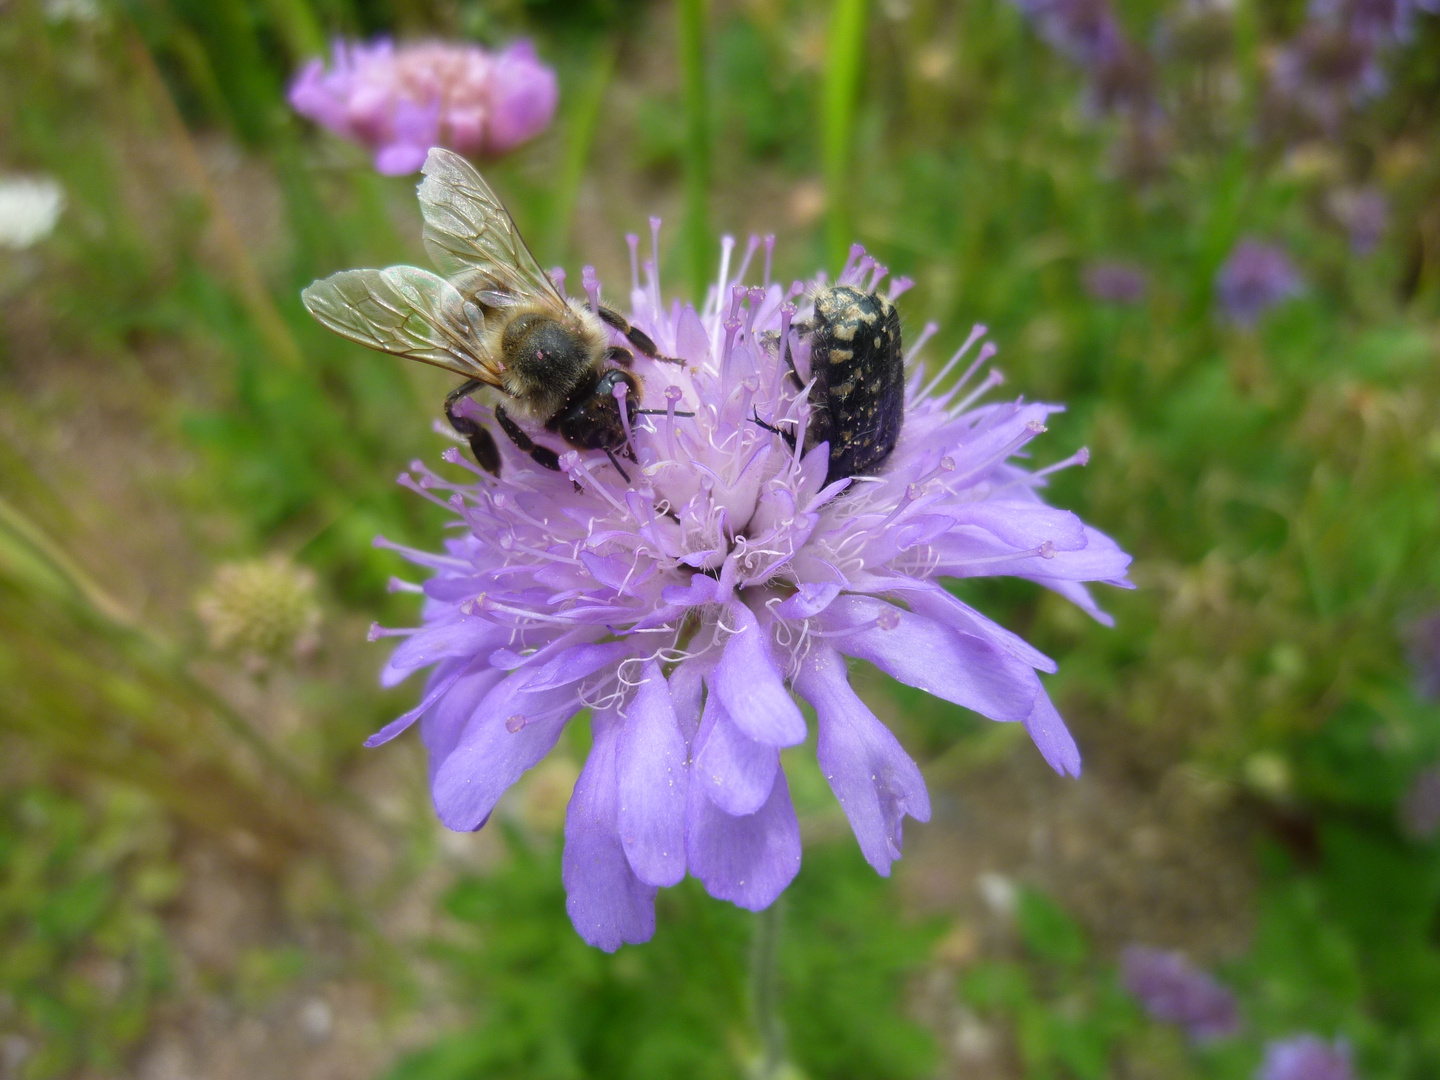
column 496, row 319
column 857, row 365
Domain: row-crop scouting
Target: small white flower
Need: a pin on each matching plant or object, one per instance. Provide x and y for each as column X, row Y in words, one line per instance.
column 29, row 209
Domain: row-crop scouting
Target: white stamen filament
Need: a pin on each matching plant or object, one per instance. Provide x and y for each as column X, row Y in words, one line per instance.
column 928, row 331
column 978, row 331
column 992, row 380
column 1080, row 457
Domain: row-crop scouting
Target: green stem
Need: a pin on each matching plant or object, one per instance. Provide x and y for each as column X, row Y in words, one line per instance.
column 843, row 59
column 580, row 129
column 697, row 145
column 765, row 988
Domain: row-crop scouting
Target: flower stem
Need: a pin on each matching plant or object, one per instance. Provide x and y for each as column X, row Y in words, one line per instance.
column 582, row 122
column 765, row 988
column 844, row 61
column 697, row 144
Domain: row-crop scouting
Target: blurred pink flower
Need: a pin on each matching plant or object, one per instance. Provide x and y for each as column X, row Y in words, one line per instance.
column 399, row 102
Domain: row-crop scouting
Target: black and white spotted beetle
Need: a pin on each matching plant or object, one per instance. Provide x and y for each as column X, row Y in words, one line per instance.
column 857, row 363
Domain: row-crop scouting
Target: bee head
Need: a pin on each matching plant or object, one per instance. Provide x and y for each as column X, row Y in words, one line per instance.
column 593, row 420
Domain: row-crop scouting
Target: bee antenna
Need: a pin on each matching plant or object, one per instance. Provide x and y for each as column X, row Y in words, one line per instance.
column 618, row 467
column 660, row 412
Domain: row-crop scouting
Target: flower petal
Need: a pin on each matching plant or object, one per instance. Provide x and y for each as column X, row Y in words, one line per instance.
column 509, row 732
column 1100, row 560
column 400, row 159
column 734, row 770
column 746, row 860
column 873, row 778
column 1078, row 595
column 608, row 904
column 1023, row 524
column 810, row 598
column 456, row 636
column 442, row 726
column 574, row 664
column 958, row 667
column 934, row 601
column 749, row 686
column 1052, row 737
column 691, row 340
column 654, row 781
column 687, row 688
column 433, row 693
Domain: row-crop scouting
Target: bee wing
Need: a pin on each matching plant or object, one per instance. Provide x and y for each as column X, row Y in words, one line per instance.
column 472, row 238
column 406, row 311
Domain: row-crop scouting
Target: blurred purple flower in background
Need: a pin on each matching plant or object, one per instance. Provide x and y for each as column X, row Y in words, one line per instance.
column 1254, row 279
column 1306, row 1057
column 1115, row 282
column 1332, row 65
column 1422, row 649
column 1321, row 77
column 684, row 607
column 1420, row 809
column 1172, row 989
column 1379, row 22
column 1088, row 32
column 1084, row 30
column 1365, row 215
column 400, row 101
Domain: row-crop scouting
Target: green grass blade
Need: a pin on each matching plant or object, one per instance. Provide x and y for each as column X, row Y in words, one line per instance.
column 581, row 124
column 697, row 145
column 844, row 55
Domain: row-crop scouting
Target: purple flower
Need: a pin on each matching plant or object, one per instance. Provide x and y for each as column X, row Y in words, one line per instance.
column 1088, row 32
column 400, row 102
column 1379, row 22
column 1084, row 30
column 684, row 607
column 1321, row 77
column 1171, row 989
column 1116, row 282
column 1420, row 809
column 1365, row 214
column 1254, row 279
column 1422, row 648
column 1306, row 1057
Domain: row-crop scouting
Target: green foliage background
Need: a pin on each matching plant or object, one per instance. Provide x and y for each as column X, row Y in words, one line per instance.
column 1277, row 487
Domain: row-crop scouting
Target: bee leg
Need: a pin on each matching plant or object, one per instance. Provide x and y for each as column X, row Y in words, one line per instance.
column 482, row 443
column 788, row 436
column 634, row 335
column 541, row 455
column 616, row 462
column 616, row 355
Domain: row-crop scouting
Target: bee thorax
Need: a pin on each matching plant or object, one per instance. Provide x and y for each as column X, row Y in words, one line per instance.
column 545, row 360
